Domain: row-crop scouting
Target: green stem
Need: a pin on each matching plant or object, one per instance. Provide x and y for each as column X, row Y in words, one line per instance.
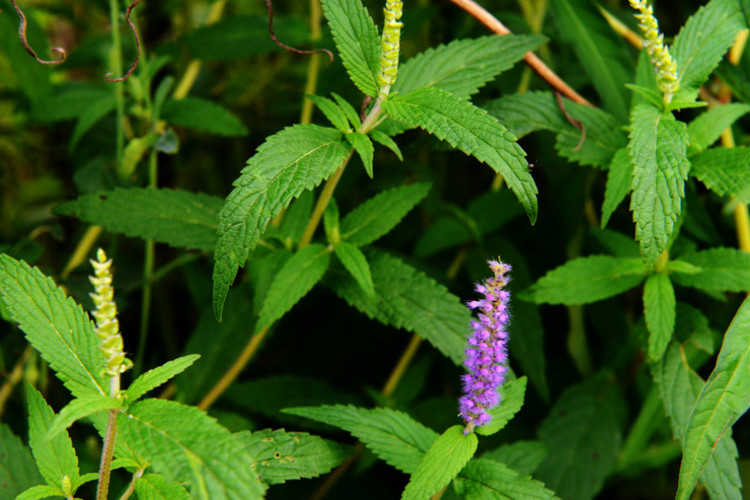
column 649, row 418
column 108, row 448
column 131, row 487
column 116, row 62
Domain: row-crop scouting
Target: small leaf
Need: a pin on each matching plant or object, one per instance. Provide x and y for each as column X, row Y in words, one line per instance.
column 94, row 112
column 282, row 456
column 471, row 130
column 658, row 149
column 158, row 376
column 355, row 262
column 348, row 110
column 157, row 487
column 357, row 41
column 204, row 115
column 586, row 279
column 80, row 408
column 41, row 491
column 134, row 152
column 18, row 472
column 363, row 145
column 483, row 479
column 378, row 215
column 522, row 456
column 385, row 140
column 659, row 310
column 707, row 128
column 725, row 171
column 721, row 269
column 178, row 218
column 55, row 325
column 723, row 400
column 441, row 464
column 618, row 184
column 511, row 401
column 331, row 111
column 298, row 276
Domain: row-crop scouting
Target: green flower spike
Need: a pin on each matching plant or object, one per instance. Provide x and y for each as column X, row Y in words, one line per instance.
column 390, row 44
column 666, row 68
column 107, row 325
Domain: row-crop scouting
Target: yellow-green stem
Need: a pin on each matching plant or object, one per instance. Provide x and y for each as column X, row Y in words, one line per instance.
column 119, row 89
column 131, row 487
column 82, row 250
column 313, row 69
column 403, row 363
column 108, row 447
column 13, row 378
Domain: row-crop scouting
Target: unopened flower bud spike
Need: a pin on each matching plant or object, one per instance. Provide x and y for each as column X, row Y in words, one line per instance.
column 389, row 46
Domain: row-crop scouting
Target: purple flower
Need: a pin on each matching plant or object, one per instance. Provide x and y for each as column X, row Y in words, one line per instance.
column 486, row 353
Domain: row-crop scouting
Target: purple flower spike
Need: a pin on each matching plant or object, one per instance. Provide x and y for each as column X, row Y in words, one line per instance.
column 486, row 353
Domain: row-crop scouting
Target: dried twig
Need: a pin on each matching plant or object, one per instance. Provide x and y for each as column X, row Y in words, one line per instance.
column 25, row 41
column 287, row 47
column 108, row 76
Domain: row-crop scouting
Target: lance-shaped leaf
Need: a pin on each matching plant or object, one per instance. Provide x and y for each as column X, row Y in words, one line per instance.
column 183, row 443
column 484, row 479
column 724, row 398
column 55, row 325
column 364, row 148
column 18, row 471
column 78, row 409
column 178, row 218
column 658, row 150
column 707, row 127
column 202, row 114
column 511, row 400
column 357, row 40
column 159, row 375
column 586, row 279
column 298, row 276
column 282, row 456
column 473, row 131
column 295, row 159
column 618, row 184
column 332, row 112
column 356, row 263
column 659, row 310
column 725, row 171
column 715, row 270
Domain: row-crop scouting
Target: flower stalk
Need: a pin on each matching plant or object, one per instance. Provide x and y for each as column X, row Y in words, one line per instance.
column 389, row 46
column 487, row 351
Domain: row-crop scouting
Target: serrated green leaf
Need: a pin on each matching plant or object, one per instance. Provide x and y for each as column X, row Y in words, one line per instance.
column 357, row 41
column 679, row 266
column 725, row 171
column 707, row 127
column 392, row 435
column 157, row 487
column 511, row 400
column 378, row 215
column 463, row 66
column 617, row 244
column 55, row 457
column 618, row 184
column 441, row 464
column 586, row 279
column 348, row 110
column 177, row 218
column 679, row 387
column 483, row 479
column 182, row 442
column 355, row 262
column 204, row 115
column 78, row 409
column 40, row 491
column 91, row 115
column 659, row 310
column 522, row 456
column 18, row 472
column 473, row 131
column 385, row 140
column 582, row 434
column 295, row 159
column 55, row 325
column 600, row 51
column 282, row 456
column 332, row 112
column 721, row 269
column 406, row 298
column 658, row 150
column 298, row 276
column 363, row 145
column 159, row 375
column 724, row 398
column 528, row 112
column 701, row 43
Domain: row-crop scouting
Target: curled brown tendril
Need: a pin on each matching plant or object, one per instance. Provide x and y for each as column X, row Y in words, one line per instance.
column 287, row 47
column 363, row 108
column 124, row 77
column 25, row 41
column 577, row 124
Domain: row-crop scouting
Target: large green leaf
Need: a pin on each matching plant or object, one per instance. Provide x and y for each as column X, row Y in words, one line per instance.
column 183, row 443
column 80, row 408
column 484, row 479
column 282, row 456
column 586, row 279
column 707, row 128
column 158, row 376
column 659, row 310
column 18, row 472
column 178, row 218
column 295, row 159
column 473, row 131
column 658, row 150
column 202, row 114
column 582, row 434
column 703, row 40
column 523, row 457
column 406, row 298
column 725, row 171
column 55, row 325
column 512, row 395
column 599, row 50
column 442, row 462
column 357, row 40
column 463, row 66
column 718, row 269
column 157, row 487
column 724, row 398
column 618, row 184
column 378, row 215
